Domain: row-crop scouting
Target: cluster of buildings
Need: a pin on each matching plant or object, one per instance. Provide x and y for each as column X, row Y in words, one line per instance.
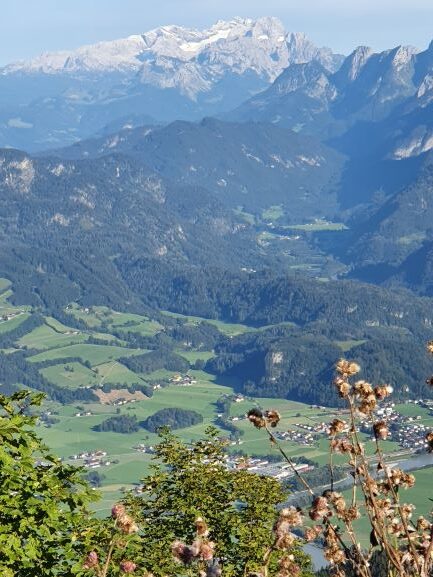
column 408, row 431
column 93, row 459
column 142, row 448
column 122, row 401
column 411, row 436
column 9, row 316
column 306, row 439
column 279, row 470
column 182, row 380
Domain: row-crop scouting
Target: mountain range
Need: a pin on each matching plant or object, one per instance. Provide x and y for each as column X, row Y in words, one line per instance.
column 167, row 73
column 312, row 136
column 237, row 173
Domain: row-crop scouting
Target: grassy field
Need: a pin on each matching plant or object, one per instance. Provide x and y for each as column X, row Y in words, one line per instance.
column 45, row 337
column 4, row 284
column 228, row 329
column 9, row 325
column 193, row 356
column 274, row 212
column 346, row 346
column 318, row 226
column 246, row 216
column 71, row 375
column 72, row 435
column 97, row 317
column 94, row 354
column 115, row 372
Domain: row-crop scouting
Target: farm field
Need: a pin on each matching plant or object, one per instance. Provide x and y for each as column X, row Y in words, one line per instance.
column 47, row 337
column 11, row 324
column 94, row 354
column 70, row 375
column 228, row 329
column 318, row 226
column 274, row 212
column 97, row 317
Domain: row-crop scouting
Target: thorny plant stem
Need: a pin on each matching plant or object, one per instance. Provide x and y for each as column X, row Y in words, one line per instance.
column 267, row 558
column 396, row 501
column 428, row 554
column 310, row 490
column 289, row 460
column 108, row 559
column 104, row 570
column 331, row 464
column 370, row 499
column 354, row 482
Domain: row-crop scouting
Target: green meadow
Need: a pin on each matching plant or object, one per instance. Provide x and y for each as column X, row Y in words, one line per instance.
column 98, row 364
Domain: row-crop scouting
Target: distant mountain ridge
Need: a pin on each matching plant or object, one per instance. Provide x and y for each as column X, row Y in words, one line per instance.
column 251, row 165
column 368, row 87
column 167, row 73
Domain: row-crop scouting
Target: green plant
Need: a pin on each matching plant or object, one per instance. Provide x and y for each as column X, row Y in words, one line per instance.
column 42, row 501
column 196, row 488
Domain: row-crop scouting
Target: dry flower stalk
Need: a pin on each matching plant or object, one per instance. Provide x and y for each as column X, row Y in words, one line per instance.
column 406, row 542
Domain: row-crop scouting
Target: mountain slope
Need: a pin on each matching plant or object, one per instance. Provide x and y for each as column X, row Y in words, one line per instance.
column 64, row 225
column 250, row 165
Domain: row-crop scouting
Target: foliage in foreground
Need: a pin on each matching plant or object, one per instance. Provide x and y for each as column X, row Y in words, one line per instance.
column 196, row 516
column 42, row 501
column 196, row 487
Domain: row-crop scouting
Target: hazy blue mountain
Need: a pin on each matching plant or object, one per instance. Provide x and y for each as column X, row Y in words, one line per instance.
column 367, row 87
column 168, row 73
column 64, row 223
column 251, row 165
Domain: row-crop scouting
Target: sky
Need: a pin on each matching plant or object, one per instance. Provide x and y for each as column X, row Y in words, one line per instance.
column 30, row 27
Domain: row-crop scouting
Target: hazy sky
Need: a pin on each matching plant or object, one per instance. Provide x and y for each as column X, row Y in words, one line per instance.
column 29, row 27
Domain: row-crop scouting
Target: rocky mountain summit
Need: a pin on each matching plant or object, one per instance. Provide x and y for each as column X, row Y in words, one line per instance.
column 368, row 87
column 240, row 44
column 167, row 73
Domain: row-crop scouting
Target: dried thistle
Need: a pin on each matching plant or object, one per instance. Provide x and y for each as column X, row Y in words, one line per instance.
column 347, row 368
column 337, row 426
column 288, row 567
column 429, row 439
column 312, row 533
column 319, row 509
column 382, row 391
column 127, row 524
column 272, row 417
column 118, row 510
column 91, row 560
column 128, row 566
column 257, row 418
column 343, row 387
column 363, row 389
column 182, row 552
column 380, row 429
column 201, row 527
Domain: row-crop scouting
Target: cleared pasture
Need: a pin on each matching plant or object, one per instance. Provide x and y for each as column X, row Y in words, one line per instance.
column 9, row 325
column 45, row 337
column 94, row 354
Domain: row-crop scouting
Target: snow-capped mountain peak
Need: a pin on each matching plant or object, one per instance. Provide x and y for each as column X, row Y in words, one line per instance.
column 166, row 73
column 245, row 40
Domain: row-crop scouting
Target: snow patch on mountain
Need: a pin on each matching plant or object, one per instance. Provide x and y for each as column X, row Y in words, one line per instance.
column 261, row 45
